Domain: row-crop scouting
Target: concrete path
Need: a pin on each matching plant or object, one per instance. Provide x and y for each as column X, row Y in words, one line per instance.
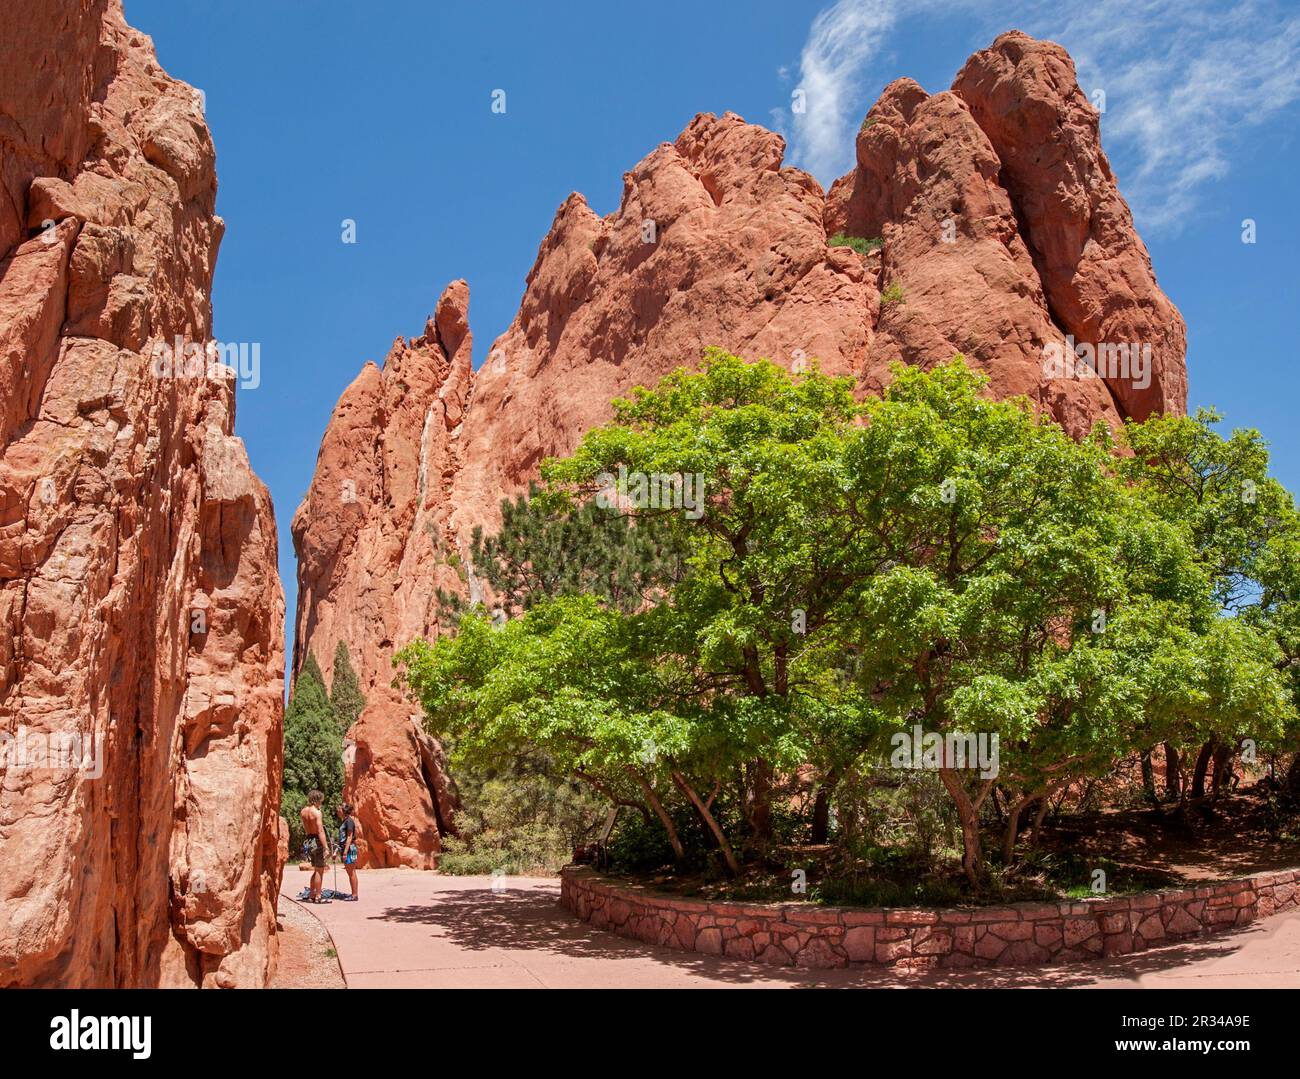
column 414, row 930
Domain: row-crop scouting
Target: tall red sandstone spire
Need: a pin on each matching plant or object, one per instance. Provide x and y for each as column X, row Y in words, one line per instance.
column 141, row 617
column 370, row 542
column 1002, row 232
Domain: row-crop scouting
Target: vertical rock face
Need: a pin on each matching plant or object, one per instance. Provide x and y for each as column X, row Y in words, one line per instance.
column 141, row 618
column 927, row 185
column 370, row 542
column 1095, row 270
column 1000, row 233
column 1004, row 232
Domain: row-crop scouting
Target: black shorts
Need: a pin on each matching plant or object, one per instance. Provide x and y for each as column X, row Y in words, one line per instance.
column 318, row 857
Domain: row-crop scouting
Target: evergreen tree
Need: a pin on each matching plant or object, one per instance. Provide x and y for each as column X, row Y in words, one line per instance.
column 313, row 750
column 345, row 693
column 543, row 553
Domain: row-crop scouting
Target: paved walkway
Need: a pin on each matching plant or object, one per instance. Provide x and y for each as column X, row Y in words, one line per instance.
column 414, row 930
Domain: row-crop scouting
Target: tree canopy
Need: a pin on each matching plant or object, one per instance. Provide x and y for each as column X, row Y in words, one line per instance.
column 929, row 559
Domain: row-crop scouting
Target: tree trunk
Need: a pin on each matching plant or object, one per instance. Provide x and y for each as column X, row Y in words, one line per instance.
column 821, row 816
column 1013, row 827
column 728, row 854
column 1173, row 780
column 1149, row 779
column 760, row 806
column 673, row 838
column 997, row 798
column 1222, row 766
column 968, row 814
column 1202, row 766
column 1038, row 819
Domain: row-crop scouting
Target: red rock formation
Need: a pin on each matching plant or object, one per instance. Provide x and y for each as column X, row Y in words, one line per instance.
column 1095, row 270
column 140, row 610
column 1005, row 232
column 738, row 259
column 1002, row 233
column 926, row 183
column 370, row 542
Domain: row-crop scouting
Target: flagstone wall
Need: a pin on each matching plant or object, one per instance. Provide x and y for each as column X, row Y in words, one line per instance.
column 806, row 935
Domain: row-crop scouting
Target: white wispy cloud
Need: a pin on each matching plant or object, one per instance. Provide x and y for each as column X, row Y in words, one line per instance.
column 1184, row 80
column 842, row 43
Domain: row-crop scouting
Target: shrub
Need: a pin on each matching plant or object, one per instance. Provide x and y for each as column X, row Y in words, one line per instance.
column 858, row 244
column 892, row 294
column 520, row 819
column 639, row 846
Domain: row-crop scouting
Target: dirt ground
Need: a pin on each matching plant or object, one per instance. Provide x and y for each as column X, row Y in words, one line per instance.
column 1141, row 848
column 1228, row 838
column 307, row 956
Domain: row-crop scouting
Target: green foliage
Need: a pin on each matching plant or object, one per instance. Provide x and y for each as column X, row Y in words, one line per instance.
column 562, row 680
column 871, row 886
column 519, row 819
column 540, row 553
column 640, row 846
column 313, row 740
column 893, row 294
column 860, row 245
column 930, row 557
column 345, row 691
column 1243, row 678
column 1218, row 491
column 883, row 809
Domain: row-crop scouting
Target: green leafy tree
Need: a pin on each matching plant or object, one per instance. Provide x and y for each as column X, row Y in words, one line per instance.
column 1003, row 607
column 562, row 681
column 750, row 636
column 932, row 558
column 1245, row 531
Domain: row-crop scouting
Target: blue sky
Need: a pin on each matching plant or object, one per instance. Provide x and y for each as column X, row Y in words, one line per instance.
column 381, row 113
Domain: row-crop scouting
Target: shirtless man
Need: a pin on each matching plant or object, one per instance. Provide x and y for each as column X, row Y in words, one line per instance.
column 314, row 825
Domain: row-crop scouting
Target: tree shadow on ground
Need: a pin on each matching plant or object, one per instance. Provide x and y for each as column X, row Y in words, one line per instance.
column 532, row 921
column 1215, row 839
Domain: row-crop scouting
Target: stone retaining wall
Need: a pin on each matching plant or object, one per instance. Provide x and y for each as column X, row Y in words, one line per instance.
column 807, row 935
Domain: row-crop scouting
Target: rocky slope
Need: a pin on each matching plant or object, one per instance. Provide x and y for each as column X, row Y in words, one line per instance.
column 141, row 617
column 1001, row 230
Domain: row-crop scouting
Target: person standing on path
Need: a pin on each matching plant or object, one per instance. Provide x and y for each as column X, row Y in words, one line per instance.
column 317, row 845
column 348, row 846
